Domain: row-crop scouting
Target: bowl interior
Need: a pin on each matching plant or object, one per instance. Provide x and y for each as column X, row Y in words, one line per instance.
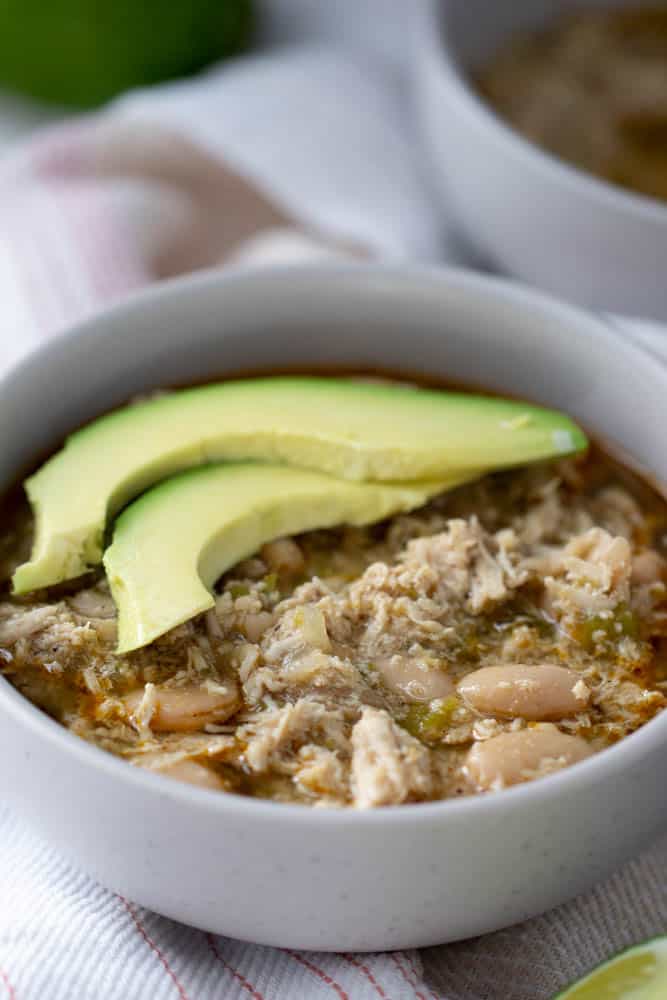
column 472, row 30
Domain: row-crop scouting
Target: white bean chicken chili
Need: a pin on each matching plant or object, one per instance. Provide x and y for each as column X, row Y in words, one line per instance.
column 508, row 629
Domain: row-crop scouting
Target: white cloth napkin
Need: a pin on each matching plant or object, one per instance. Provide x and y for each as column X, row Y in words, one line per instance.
column 106, row 204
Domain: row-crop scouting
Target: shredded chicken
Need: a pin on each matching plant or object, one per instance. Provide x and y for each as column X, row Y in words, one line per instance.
column 349, row 688
column 388, row 765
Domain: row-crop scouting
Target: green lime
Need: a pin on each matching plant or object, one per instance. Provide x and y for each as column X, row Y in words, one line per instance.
column 640, row 973
column 83, row 52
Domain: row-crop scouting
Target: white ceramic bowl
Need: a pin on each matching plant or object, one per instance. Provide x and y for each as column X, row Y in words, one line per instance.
column 328, row 879
column 529, row 213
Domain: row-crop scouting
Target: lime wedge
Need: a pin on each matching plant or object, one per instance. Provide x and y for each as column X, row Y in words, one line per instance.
column 640, row 973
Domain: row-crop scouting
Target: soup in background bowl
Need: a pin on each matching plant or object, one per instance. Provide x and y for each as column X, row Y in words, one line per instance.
column 592, row 89
column 522, row 200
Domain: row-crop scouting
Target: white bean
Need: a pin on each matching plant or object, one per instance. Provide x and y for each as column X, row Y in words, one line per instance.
column 519, row 690
column 414, row 679
column 106, row 628
column 255, row 624
column 193, row 774
column 648, row 567
column 93, row 603
column 183, row 710
column 514, row 757
column 283, row 556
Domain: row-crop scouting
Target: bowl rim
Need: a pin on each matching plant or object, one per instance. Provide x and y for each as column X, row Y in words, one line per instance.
column 436, row 38
column 582, row 775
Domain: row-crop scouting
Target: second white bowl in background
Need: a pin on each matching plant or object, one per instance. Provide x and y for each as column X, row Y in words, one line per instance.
column 529, row 213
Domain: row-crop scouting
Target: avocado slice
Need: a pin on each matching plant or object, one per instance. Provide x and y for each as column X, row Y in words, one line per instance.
column 171, row 545
column 347, row 428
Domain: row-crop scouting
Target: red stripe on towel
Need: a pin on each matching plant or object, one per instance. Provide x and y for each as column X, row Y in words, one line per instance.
column 234, row 972
column 155, row 948
column 408, row 979
column 8, row 986
column 320, row 973
column 366, row 972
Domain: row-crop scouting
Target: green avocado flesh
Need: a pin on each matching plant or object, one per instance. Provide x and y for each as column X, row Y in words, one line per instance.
column 171, row 545
column 355, row 430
